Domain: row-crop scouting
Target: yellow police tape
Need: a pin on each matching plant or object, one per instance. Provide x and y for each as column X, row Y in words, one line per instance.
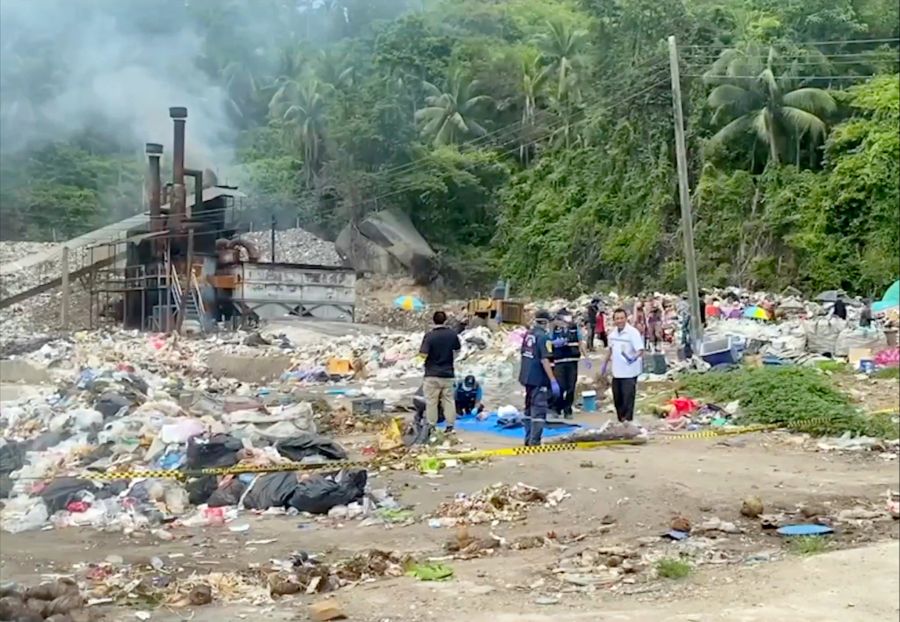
column 424, row 460
column 462, row 457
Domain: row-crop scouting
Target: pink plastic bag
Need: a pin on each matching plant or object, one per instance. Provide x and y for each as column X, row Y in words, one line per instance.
column 888, row 358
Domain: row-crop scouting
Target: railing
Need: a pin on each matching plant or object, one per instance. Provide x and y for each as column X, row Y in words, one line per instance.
column 177, row 294
column 195, row 286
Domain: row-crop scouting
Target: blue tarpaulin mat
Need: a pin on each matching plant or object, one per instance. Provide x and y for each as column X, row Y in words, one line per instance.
column 805, row 530
column 469, row 423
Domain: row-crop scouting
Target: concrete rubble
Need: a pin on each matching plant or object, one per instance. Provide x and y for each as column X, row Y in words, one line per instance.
column 295, row 246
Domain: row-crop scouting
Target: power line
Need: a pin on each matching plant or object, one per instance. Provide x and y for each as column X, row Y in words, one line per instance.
column 832, row 42
column 531, row 142
column 548, row 131
column 797, row 78
column 648, row 63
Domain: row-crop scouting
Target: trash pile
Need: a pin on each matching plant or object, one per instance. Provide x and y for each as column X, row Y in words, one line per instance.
column 494, row 504
column 295, row 246
column 107, row 417
column 386, row 357
column 55, row 602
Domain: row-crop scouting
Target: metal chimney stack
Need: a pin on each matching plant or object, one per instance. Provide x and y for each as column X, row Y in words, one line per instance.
column 177, row 204
column 154, row 189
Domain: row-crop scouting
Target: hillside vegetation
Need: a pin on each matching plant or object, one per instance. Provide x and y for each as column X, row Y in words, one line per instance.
column 531, row 139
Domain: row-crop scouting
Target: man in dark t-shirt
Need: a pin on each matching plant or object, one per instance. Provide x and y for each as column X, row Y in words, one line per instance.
column 840, row 308
column 439, row 347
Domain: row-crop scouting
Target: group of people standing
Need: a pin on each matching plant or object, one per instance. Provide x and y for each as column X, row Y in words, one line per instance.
column 549, row 366
column 550, row 354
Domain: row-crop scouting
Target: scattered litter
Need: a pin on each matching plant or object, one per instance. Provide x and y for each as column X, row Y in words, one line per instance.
column 430, row 572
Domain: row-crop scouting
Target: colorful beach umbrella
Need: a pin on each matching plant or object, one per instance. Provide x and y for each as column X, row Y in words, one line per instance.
column 756, row 313
column 890, row 300
column 409, row 303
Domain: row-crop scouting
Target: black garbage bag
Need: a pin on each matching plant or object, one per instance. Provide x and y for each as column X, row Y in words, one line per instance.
column 12, row 458
column 304, row 445
column 60, row 492
column 199, row 490
column 228, row 493
column 271, row 490
column 110, row 403
column 417, row 431
column 219, row 450
column 315, row 495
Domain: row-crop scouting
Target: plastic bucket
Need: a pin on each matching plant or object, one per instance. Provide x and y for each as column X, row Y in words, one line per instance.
column 589, row 401
column 867, row 366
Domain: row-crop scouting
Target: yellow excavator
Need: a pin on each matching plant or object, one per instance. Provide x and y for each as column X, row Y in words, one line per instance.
column 496, row 308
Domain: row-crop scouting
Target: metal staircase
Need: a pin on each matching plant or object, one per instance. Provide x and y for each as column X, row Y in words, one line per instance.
column 189, row 303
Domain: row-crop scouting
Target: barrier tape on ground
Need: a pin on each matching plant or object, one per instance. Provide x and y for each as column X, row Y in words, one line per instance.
column 117, row 475
column 538, row 449
column 336, row 465
column 472, row 455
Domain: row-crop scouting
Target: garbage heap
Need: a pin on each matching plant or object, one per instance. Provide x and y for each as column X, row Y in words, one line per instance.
column 382, row 358
column 124, row 413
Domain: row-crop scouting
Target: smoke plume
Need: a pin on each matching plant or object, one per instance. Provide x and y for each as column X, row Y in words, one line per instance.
column 114, row 68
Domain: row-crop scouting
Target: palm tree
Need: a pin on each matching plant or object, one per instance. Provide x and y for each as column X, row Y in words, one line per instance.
column 334, row 69
column 563, row 45
column 752, row 99
column 534, row 78
column 300, row 105
column 450, row 115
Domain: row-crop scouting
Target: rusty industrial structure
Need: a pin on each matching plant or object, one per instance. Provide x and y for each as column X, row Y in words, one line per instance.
column 184, row 265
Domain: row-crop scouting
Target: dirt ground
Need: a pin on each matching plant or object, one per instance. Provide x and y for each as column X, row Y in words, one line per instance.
column 633, row 491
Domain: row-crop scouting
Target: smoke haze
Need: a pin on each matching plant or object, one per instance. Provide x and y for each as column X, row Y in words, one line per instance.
column 116, row 68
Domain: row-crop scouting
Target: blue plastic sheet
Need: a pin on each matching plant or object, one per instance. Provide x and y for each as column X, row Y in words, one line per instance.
column 489, row 426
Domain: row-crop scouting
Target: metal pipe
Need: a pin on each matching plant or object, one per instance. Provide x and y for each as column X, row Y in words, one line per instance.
column 197, row 175
column 154, row 188
column 177, row 196
column 178, row 115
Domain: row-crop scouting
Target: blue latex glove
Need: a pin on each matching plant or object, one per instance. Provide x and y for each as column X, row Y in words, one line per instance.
column 588, row 364
column 630, row 360
column 559, row 342
column 554, row 388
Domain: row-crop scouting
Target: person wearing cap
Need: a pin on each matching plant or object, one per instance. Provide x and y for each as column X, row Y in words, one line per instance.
column 536, row 375
column 468, row 397
column 567, row 351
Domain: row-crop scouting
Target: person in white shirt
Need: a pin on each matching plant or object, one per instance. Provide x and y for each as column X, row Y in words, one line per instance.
column 625, row 358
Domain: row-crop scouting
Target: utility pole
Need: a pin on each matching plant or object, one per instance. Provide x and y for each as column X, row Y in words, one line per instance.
column 272, row 236
column 64, row 309
column 687, row 218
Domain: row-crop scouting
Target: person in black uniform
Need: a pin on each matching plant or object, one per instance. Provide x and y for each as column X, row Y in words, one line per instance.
column 536, row 375
column 592, row 310
column 567, row 351
column 468, row 397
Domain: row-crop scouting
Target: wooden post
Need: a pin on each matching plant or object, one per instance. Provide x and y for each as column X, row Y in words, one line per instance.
column 687, row 218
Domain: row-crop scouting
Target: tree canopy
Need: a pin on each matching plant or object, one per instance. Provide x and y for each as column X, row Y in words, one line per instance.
column 526, row 139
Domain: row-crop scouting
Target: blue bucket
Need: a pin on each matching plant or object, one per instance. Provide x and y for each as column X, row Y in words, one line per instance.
column 867, row 366
column 589, row 401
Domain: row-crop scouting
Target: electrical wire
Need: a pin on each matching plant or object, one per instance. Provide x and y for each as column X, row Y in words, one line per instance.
column 649, row 62
column 549, row 131
column 797, row 78
column 800, row 43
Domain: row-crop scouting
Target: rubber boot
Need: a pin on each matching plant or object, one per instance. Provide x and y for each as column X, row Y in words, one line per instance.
column 526, row 423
